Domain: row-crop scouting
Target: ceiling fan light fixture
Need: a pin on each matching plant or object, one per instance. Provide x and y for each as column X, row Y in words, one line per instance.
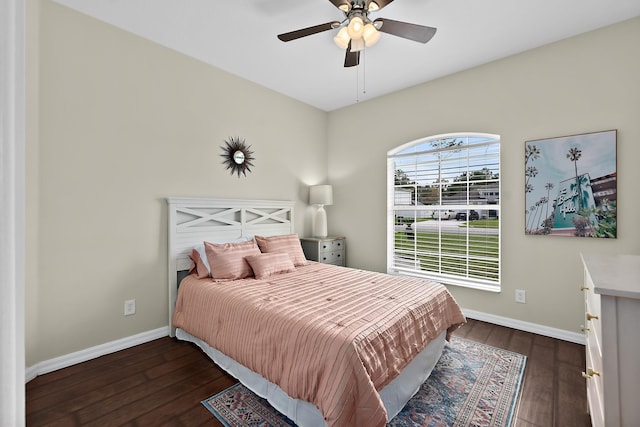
column 357, row 31
column 370, row 35
column 355, row 27
column 357, row 45
column 342, row 38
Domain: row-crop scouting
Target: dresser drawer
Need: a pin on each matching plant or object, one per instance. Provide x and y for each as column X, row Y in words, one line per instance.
column 595, row 389
column 593, row 326
column 594, row 350
column 592, row 307
column 335, row 257
column 332, row 246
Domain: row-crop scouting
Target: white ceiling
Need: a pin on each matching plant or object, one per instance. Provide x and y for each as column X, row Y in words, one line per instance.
column 240, row 37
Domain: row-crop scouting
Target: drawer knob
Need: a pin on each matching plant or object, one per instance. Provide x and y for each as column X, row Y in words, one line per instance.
column 584, row 288
column 592, row 316
column 590, row 373
column 584, row 329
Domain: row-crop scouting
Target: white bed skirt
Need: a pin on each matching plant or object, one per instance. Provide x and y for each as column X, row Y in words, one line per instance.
column 394, row 396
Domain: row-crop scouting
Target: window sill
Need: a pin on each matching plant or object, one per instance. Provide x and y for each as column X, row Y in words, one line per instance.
column 447, row 280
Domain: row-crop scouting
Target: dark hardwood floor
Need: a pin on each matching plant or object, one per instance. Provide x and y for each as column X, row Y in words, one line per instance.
column 161, row 383
column 553, row 392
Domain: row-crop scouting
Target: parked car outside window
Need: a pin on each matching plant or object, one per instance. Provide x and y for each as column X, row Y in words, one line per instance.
column 462, row 215
column 444, row 214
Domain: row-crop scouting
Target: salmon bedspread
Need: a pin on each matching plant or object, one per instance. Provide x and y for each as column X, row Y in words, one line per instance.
column 329, row 335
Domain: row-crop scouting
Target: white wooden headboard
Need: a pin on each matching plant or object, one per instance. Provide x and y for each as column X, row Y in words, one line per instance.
column 192, row 221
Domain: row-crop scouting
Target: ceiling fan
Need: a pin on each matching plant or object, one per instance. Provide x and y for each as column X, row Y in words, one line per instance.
column 357, row 30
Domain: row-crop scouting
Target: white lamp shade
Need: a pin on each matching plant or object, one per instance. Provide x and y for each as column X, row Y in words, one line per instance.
column 321, row 195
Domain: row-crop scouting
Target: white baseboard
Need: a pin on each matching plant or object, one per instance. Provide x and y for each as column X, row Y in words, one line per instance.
column 547, row 331
column 91, row 353
column 111, row 347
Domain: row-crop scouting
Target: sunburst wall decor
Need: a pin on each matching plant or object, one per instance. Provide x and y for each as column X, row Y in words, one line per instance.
column 237, row 156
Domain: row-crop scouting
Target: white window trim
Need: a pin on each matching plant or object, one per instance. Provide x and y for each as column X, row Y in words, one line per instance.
column 442, row 278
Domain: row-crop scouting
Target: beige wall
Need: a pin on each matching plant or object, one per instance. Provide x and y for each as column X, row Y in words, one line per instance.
column 117, row 124
column 583, row 84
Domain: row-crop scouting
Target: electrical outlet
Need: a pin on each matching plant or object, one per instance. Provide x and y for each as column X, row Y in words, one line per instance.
column 521, row 296
column 129, row 307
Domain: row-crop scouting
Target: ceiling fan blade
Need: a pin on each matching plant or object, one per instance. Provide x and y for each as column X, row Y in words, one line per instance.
column 346, row 5
column 380, row 3
column 303, row 32
column 415, row 32
column 351, row 59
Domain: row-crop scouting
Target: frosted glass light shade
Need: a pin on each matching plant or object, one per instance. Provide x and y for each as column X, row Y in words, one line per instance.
column 342, row 38
column 321, row 195
column 357, row 45
column 370, row 35
column 355, row 27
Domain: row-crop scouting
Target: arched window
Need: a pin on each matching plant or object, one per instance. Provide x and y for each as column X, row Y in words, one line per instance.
column 443, row 216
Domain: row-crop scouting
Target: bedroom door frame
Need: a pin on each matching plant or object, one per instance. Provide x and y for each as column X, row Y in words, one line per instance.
column 12, row 211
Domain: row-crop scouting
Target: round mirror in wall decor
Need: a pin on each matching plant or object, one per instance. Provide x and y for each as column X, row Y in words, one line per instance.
column 237, row 156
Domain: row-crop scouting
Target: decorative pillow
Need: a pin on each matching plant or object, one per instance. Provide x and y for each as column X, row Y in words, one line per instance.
column 289, row 243
column 202, row 269
column 264, row 265
column 227, row 260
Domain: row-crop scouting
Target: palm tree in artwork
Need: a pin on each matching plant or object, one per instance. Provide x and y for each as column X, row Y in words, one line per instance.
column 574, row 155
column 534, row 225
column 530, row 172
column 548, row 186
column 527, row 220
column 543, row 201
column 531, row 215
column 532, row 152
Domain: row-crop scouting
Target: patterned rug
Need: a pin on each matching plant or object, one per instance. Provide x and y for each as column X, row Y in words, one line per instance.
column 472, row 384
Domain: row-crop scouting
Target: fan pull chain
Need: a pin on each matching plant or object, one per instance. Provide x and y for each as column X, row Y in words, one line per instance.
column 364, row 72
column 364, row 75
column 357, row 83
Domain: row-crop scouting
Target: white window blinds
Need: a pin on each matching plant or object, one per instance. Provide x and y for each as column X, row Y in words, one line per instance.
column 443, row 220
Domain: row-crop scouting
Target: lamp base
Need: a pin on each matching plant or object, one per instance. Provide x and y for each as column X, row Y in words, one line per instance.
column 320, row 224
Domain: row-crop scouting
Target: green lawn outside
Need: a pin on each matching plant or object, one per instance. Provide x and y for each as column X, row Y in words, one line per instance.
column 479, row 260
column 482, row 223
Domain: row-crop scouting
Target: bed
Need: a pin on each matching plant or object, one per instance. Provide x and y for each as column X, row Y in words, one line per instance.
column 325, row 345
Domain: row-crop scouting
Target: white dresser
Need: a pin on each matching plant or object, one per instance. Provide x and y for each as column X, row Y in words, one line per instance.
column 612, row 329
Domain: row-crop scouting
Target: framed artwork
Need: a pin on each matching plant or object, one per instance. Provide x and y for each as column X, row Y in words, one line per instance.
column 571, row 185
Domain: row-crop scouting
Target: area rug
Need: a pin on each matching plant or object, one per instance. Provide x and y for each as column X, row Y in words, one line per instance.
column 472, row 384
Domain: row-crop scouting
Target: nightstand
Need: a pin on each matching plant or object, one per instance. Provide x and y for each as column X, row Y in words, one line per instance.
column 328, row 250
